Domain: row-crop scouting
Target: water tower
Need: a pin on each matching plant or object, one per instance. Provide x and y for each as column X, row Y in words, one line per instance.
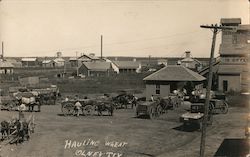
column 59, row 54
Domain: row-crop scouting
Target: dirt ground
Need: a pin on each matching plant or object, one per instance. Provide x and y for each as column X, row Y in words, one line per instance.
column 63, row 136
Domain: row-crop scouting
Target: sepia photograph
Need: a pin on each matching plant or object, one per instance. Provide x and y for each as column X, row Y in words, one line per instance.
column 124, row 78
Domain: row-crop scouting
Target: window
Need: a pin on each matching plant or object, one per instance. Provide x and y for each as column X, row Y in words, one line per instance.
column 227, row 60
column 157, row 89
column 225, row 85
column 248, row 41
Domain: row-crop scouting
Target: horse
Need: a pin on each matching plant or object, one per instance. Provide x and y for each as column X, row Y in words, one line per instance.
column 22, row 129
column 105, row 107
column 121, row 100
column 5, row 129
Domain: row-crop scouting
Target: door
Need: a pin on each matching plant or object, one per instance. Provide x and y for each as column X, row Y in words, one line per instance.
column 225, row 85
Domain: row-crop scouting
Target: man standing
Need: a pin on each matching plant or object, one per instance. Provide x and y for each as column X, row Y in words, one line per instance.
column 21, row 109
column 152, row 98
column 78, row 106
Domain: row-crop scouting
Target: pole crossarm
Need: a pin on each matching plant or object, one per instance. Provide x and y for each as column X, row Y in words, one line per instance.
column 218, row 27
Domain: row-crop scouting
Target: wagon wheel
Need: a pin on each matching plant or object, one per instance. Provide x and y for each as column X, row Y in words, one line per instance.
column 224, row 109
column 68, row 108
column 88, row 110
column 151, row 114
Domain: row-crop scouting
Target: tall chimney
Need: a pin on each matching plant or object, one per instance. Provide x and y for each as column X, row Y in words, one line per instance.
column 188, row 54
column 101, row 46
column 2, row 57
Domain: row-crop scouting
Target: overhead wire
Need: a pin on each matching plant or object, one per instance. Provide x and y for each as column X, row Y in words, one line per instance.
column 124, row 43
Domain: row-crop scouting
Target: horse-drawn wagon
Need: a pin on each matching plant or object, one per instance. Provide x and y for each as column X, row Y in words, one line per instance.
column 46, row 96
column 8, row 103
column 88, row 106
column 219, row 106
column 158, row 106
column 17, row 130
column 123, row 100
column 148, row 108
column 49, row 95
column 30, row 99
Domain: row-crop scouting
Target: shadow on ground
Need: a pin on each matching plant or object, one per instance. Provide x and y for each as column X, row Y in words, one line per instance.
column 187, row 128
column 142, row 117
column 233, row 148
column 82, row 115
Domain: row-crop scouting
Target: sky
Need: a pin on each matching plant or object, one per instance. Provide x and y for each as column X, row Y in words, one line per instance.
column 156, row 28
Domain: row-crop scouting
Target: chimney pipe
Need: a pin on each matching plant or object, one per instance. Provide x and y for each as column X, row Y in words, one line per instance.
column 2, row 51
column 101, row 46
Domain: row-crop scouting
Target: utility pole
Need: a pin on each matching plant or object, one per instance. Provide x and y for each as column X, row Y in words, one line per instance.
column 149, row 57
column 77, row 72
column 249, row 11
column 2, row 51
column 101, row 46
column 215, row 28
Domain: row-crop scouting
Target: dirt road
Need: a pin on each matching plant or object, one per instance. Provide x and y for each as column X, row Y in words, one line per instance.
column 122, row 135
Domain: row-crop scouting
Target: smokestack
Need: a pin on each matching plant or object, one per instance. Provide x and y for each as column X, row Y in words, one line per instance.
column 2, row 51
column 101, row 46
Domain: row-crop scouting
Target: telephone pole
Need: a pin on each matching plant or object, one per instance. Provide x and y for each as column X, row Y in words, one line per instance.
column 215, row 28
column 77, row 64
column 101, row 46
column 2, row 51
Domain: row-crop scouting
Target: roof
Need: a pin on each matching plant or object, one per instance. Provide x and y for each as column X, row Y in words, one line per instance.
column 89, row 57
column 174, row 73
column 46, row 61
column 59, row 60
column 230, row 21
column 187, row 60
column 4, row 64
column 230, row 69
column 29, row 59
column 98, row 66
column 72, row 58
column 127, row 64
column 206, row 69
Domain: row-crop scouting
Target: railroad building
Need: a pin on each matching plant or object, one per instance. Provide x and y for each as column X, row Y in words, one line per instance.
column 172, row 77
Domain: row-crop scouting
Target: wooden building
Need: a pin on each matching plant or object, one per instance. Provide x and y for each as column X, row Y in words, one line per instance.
column 29, row 62
column 172, row 77
column 233, row 72
column 122, row 67
column 6, row 67
column 96, row 69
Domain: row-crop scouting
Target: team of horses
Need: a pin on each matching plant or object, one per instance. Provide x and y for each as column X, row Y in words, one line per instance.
column 123, row 100
column 17, row 129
